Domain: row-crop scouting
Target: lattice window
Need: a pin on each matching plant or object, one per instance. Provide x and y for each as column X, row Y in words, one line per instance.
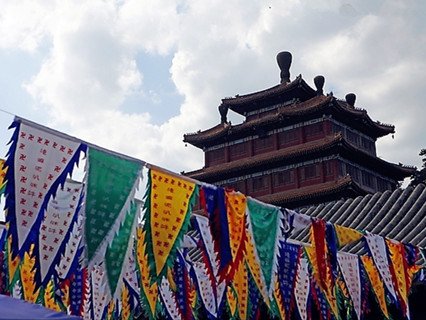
column 283, row 178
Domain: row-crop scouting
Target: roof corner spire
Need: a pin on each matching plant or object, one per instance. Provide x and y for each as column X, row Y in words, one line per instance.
column 284, row 62
column 223, row 110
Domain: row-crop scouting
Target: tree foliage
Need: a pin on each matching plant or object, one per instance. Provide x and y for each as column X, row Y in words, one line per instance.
column 420, row 175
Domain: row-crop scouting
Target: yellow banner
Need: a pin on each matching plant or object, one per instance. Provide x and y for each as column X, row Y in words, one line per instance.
column 125, row 304
column 329, row 290
column 236, row 208
column 151, row 291
column 376, row 283
column 232, row 301
column 49, row 297
column 170, row 200
column 398, row 264
column 11, row 263
column 240, row 283
column 346, row 235
column 2, row 175
column 279, row 299
column 27, row 277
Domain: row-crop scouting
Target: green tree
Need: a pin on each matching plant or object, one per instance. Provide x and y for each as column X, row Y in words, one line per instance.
column 420, row 175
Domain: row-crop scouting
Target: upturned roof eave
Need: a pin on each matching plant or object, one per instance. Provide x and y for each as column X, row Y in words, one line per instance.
column 397, row 172
column 201, row 138
column 342, row 186
column 239, row 103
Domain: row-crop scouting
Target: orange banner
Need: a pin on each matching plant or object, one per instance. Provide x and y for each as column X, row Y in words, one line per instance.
column 376, row 283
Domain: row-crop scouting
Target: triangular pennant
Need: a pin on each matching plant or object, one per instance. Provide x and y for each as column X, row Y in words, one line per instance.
column 213, row 202
column 120, row 248
column 264, row 224
column 253, row 264
column 376, row 283
column 131, row 278
column 69, row 261
column 168, row 203
column 182, row 294
column 3, row 170
column 377, row 248
column 349, row 266
column 27, row 277
column 111, row 182
column 346, row 235
column 13, row 265
column 78, row 291
column 100, row 293
column 329, row 290
column 319, row 261
column 149, row 292
column 399, row 264
column 254, row 299
column 206, row 247
column 39, row 161
column 232, row 301
column 49, row 297
column 169, row 301
column 302, row 288
column 277, row 303
column 320, row 300
column 204, row 288
column 288, row 261
column 236, row 206
column 211, row 289
column 59, row 219
column 125, row 304
column 240, row 284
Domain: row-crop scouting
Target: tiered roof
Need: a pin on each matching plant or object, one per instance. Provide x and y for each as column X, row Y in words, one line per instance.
column 297, row 89
column 316, row 106
column 343, row 187
column 321, row 147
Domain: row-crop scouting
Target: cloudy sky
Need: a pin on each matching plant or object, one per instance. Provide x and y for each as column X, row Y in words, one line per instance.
column 134, row 76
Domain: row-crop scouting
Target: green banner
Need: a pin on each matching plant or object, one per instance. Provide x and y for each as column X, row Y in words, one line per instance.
column 111, row 183
column 116, row 253
column 264, row 224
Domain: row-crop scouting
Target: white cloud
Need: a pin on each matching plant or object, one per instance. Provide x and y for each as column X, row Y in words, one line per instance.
column 220, row 49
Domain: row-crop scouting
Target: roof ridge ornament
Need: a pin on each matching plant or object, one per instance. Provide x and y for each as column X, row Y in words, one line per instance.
column 350, row 99
column 319, row 84
column 284, row 62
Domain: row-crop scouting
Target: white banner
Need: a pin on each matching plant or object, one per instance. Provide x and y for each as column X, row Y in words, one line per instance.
column 301, row 288
column 377, row 248
column 40, row 158
column 349, row 265
column 57, row 223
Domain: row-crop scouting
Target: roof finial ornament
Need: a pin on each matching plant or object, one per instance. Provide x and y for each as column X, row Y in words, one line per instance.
column 284, row 62
column 350, row 99
column 319, row 84
column 223, row 110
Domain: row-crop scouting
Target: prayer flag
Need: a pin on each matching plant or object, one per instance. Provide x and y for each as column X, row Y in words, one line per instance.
column 349, row 266
column 168, row 203
column 120, row 248
column 59, row 219
column 111, row 182
column 378, row 250
column 149, row 292
column 39, row 161
column 264, row 223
